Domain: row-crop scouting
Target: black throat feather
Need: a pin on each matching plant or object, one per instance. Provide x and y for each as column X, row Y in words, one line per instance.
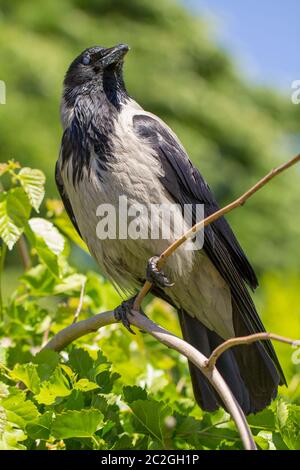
column 91, row 131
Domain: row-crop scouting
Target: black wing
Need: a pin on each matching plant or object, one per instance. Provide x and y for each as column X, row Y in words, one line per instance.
column 63, row 194
column 186, row 185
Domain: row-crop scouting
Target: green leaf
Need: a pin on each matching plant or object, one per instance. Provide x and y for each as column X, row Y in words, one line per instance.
column 19, row 411
column 124, row 442
column 106, row 380
column 74, row 423
column 56, row 386
column 14, row 214
column 47, row 241
column 187, row 425
column 3, row 390
column 262, row 442
column 150, row 417
column 80, row 361
column 134, row 393
column 27, row 373
column 64, row 224
column 100, row 402
column 40, row 428
column 3, row 354
column 60, row 218
column 10, row 438
column 72, row 283
column 75, row 401
column 47, row 362
column 278, row 441
column 264, row 419
column 33, row 182
column 45, row 230
column 39, row 280
column 84, row 385
column 288, row 421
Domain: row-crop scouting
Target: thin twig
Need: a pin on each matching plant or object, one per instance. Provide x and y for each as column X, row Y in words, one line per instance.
column 23, row 250
column 78, row 310
column 46, row 336
column 211, row 362
column 213, row 217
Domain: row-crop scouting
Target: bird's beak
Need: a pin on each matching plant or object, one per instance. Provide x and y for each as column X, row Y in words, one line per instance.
column 115, row 54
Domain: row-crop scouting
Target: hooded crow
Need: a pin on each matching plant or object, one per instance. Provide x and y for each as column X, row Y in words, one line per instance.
column 111, row 147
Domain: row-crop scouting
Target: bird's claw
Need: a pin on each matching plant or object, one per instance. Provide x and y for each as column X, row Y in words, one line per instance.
column 156, row 275
column 123, row 311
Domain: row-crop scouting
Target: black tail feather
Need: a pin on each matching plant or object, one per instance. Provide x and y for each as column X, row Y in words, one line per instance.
column 248, row 370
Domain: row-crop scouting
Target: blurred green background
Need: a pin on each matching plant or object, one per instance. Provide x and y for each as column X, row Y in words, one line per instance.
column 234, row 131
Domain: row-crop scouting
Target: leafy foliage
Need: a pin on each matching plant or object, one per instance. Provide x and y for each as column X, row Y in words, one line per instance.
column 110, row 390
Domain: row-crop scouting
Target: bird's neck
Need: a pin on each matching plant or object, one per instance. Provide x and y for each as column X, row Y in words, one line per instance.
column 114, row 88
column 106, row 97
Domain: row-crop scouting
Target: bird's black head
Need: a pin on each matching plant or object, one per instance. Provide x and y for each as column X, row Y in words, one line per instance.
column 97, row 69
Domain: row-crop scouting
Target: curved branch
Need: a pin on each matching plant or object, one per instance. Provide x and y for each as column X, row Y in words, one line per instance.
column 240, row 201
column 211, row 362
column 77, row 330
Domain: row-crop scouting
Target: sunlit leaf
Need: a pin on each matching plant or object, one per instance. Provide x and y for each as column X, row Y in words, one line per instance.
column 10, row 438
column 33, row 183
column 56, row 386
column 27, row 373
column 70, row 283
column 40, row 428
column 14, row 213
column 84, row 385
column 74, row 423
column 19, row 411
column 47, row 241
column 288, row 419
column 45, row 230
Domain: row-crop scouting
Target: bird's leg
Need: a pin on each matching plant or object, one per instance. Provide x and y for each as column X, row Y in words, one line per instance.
column 156, row 275
column 123, row 312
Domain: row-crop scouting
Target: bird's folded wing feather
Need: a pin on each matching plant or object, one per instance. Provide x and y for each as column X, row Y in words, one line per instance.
column 186, row 185
column 62, row 192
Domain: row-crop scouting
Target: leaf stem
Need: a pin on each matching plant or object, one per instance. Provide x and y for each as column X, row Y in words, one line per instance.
column 24, row 253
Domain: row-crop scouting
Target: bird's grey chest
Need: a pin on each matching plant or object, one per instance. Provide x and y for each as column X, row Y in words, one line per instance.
column 126, row 166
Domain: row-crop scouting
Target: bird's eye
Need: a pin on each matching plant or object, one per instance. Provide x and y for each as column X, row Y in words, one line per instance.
column 86, row 60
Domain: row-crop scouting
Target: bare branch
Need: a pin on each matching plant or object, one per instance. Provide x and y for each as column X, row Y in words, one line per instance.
column 211, row 362
column 208, row 220
column 79, row 329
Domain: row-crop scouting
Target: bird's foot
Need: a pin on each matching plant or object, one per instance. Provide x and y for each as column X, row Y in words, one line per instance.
column 122, row 313
column 156, row 275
